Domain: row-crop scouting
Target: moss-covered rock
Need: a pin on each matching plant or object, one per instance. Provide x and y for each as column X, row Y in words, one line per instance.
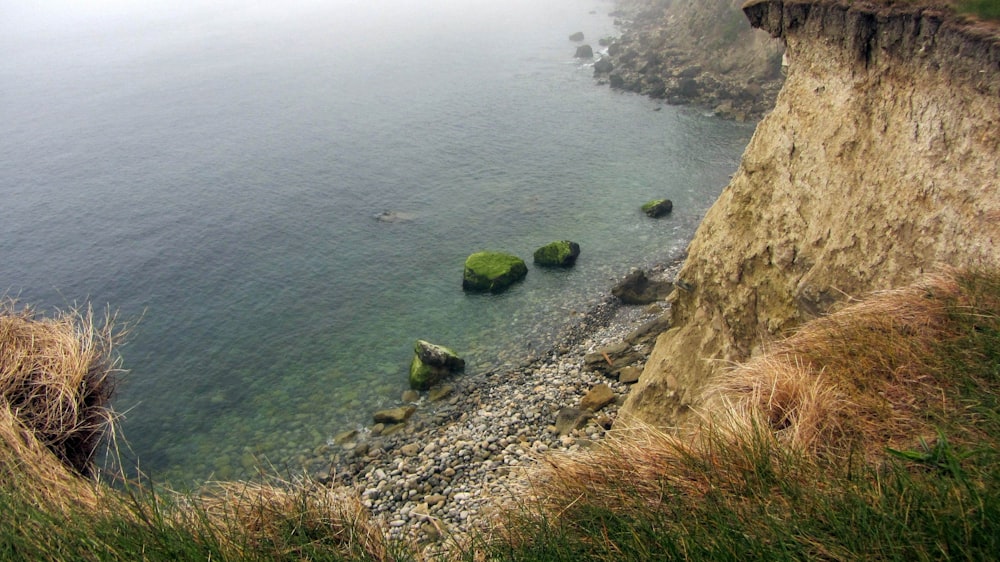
column 492, row 271
column 558, row 254
column 658, row 207
column 431, row 364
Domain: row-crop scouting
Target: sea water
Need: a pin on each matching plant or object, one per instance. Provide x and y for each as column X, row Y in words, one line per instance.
column 219, row 173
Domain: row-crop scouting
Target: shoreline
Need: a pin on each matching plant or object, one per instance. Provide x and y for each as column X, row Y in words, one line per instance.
column 432, row 476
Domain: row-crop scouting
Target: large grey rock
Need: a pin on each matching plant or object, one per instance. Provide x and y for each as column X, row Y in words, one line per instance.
column 636, row 288
column 578, row 36
column 584, row 52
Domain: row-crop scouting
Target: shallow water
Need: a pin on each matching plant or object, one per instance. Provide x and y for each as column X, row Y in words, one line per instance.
column 215, row 172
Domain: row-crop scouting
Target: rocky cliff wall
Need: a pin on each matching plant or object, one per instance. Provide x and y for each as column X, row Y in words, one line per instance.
column 878, row 162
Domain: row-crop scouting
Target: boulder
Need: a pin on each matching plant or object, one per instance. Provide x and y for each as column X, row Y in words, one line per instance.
column 394, row 415
column 658, row 207
column 492, row 271
column 569, row 419
column 578, row 36
column 557, row 254
column 603, row 66
column 636, row 288
column 431, row 364
column 612, row 358
column 598, row 397
column 584, row 52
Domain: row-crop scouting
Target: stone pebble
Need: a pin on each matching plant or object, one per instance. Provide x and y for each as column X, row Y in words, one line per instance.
column 437, row 474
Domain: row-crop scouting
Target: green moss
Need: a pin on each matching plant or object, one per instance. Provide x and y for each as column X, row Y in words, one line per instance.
column 561, row 253
column 423, row 376
column 986, row 9
column 492, row 271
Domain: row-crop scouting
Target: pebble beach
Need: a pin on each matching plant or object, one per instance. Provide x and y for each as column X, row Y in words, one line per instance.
column 474, row 438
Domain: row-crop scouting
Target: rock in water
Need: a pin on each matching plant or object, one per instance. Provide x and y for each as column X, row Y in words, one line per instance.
column 394, row 415
column 658, row 207
column 584, row 52
column 492, row 271
column 431, row 364
column 578, row 36
column 557, row 254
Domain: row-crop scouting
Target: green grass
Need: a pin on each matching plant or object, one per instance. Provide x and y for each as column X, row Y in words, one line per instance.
column 986, row 9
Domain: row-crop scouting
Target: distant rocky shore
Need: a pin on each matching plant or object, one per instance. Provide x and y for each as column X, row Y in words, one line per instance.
column 701, row 53
column 464, row 443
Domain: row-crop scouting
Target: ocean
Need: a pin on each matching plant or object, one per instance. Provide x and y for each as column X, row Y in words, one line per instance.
column 215, row 173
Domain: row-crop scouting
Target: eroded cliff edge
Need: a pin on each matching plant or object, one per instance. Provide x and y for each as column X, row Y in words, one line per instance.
column 879, row 162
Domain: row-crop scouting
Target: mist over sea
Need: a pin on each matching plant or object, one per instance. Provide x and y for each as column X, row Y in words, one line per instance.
column 213, row 171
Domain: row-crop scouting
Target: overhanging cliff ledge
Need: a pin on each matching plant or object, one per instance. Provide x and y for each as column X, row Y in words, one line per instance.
column 878, row 163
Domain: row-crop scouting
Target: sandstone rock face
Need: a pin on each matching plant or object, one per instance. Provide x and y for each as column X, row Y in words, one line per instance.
column 879, row 162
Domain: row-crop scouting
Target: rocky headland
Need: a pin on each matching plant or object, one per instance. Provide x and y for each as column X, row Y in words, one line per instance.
column 696, row 52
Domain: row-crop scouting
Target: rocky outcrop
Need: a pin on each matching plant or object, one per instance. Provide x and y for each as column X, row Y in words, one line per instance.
column 700, row 52
column 878, row 163
column 637, row 288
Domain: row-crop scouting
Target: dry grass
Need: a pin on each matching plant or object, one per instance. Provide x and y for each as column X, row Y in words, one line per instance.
column 853, row 382
column 289, row 519
column 57, row 378
column 857, row 380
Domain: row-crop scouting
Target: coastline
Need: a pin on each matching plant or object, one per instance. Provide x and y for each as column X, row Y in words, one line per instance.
column 435, row 474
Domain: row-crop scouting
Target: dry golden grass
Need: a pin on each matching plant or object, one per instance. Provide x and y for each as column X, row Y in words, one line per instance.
column 259, row 517
column 56, row 378
column 848, row 385
column 857, row 380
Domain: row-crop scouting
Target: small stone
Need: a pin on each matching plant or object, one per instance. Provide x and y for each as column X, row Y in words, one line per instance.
column 569, row 419
column 344, row 436
column 597, row 398
column 410, row 449
column 410, row 396
column 440, row 393
column 435, row 499
column 629, row 375
column 378, row 428
column 394, row 415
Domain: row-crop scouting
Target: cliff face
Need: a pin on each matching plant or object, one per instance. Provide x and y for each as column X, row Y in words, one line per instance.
column 878, row 162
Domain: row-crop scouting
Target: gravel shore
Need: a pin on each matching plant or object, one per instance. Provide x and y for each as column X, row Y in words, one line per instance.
column 470, row 440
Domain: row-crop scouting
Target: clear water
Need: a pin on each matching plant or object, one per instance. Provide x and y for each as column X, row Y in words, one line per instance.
column 213, row 172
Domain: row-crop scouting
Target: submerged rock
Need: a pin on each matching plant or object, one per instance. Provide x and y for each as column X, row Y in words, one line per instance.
column 578, row 36
column 584, row 52
column 492, row 271
column 394, row 415
column 557, row 254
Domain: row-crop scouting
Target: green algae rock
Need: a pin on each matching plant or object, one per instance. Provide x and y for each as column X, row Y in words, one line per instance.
column 431, row 364
column 492, row 271
column 558, row 254
column 658, row 207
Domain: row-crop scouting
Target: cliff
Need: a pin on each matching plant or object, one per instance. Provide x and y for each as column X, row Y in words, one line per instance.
column 701, row 52
column 879, row 162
